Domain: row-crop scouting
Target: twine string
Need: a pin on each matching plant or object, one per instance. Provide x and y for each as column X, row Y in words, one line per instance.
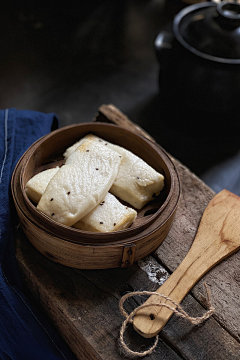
column 177, row 309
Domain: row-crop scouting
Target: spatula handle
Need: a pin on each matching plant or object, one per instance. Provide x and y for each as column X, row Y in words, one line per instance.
column 150, row 320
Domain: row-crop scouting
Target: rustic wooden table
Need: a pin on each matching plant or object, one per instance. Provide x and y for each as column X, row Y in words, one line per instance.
column 84, row 304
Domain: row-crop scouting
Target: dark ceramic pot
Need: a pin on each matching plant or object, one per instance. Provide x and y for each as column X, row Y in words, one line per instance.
column 200, row 59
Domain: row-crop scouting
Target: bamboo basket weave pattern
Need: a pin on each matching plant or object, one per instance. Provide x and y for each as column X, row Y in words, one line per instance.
column 87, row 250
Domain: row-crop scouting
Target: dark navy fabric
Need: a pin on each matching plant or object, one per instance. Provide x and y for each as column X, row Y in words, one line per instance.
column 25, row 334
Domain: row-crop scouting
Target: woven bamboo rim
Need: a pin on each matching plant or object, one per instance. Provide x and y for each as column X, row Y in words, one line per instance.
column 145, row 235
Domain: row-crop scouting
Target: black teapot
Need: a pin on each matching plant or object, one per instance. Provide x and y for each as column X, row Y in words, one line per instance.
column 200, row 58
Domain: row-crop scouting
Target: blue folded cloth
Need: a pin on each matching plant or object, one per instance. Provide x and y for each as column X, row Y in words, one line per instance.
column 25, row 334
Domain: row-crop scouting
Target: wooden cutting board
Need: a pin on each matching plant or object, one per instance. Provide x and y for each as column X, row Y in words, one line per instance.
column 84, row 304
column 217, row 237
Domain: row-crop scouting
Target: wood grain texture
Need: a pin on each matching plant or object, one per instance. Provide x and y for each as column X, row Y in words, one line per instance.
column 223, row 279
column 83, row 304
column 217, row 237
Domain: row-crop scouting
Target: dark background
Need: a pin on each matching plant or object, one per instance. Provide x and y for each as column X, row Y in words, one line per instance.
column 69, row 57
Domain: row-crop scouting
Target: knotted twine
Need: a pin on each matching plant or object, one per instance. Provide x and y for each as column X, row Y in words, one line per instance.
column 177, row 310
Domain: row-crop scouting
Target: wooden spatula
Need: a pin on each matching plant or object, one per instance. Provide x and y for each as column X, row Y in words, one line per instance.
column 217, row 237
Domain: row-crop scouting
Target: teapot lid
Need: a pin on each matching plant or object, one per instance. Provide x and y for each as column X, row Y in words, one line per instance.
column 210, row 30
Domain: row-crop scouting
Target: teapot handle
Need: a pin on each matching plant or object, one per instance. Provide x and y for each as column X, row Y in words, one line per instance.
column 228, row 15
column 163, row 42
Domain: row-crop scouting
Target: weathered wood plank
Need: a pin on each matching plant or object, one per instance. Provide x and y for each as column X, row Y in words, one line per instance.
column 223, row 279
column 216, row 239
column 83, row 304
column 208, row 341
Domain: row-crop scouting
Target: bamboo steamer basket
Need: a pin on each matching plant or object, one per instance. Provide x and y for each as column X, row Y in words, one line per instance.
column 89, row 250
